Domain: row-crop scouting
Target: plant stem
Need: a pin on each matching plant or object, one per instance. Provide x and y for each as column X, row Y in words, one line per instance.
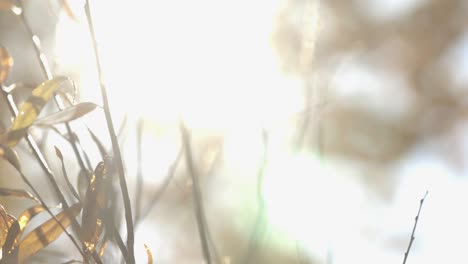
column 198, row 200
column 414, row 228
column 32, row 143
column 115, row 144
column 48, row 75
column 259, row 228
column 139, row 186
column 154, row 200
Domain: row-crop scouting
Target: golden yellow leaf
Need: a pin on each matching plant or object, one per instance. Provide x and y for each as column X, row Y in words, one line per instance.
column 150, row 255
column 6, row 221
column 30, row 109
column 10, row 243
column 10, row 155
column 26, row 216
column 94, row 204
column 103, row 247
column 6, row 61
column 46, row 233
column 16, row 230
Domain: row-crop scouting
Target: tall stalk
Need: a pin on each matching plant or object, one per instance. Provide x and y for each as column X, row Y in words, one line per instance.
column 115, row 143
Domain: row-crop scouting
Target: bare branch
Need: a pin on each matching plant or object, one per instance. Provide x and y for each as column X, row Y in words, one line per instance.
column 414, row 228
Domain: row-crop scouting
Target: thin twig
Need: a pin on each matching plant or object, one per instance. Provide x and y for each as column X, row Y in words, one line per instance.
column 48, row 75
column 45, row 167
column 110, row 225
column 304, row 125
column 121, row 130
column 76, row 140
column 214, row 248
column 36, row 193
column 115, row 144
column 157, row 196
column 58, row 101
column 65, row 176
column 414, row 228
column 32, row 143
column 139, row 185
column 112, row 230
column 14, row 111
column 259, row 228
column 72, row 261
column 197, row 195
column 309, row 34
column 98, row 143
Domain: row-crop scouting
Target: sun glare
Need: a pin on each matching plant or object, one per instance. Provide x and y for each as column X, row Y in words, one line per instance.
column 200, row 62
column 313, row 127
column 211, row 63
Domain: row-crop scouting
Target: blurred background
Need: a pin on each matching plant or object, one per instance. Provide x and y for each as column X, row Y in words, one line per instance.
column 317, row 126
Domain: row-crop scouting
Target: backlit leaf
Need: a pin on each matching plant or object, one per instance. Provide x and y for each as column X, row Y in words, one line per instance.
column 66, row 115
column 46, row 233
column 94, row 205
column 10, row 155
column 28, row 214
column 6, row 61
column 122, row 128
column 29, row 110
column 17, row 193
column 150, row 255
column 17, row 228
column 12, row 238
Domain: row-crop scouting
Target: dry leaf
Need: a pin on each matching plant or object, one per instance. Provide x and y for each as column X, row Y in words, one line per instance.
column 66, row 7
column 95, row 203
column 46, row 233
column 150, row 255
column 30, row 109
column 11, row 241
column 66, row 115
column 28, row 214
column 10, row 155
column 6, row 61
column 6, row 221
column 9, row 230
column 58, row 153
column 17, row 193
column 16, row 230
